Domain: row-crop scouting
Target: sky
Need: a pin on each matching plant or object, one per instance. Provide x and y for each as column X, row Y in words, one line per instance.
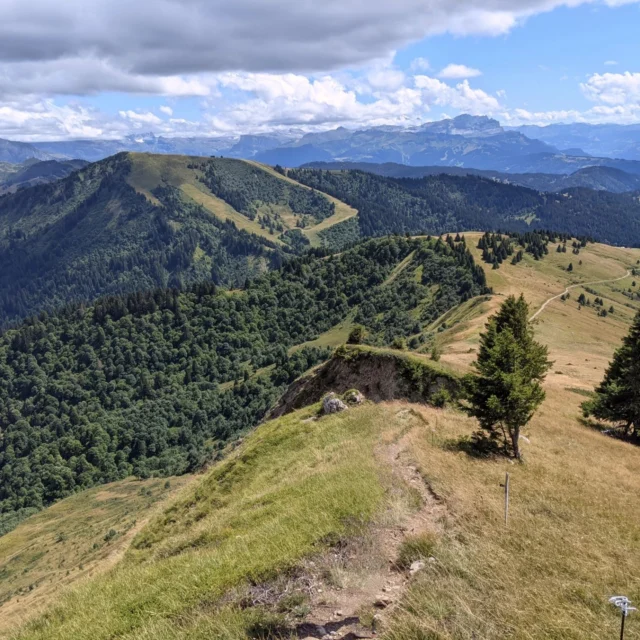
column 80, row 69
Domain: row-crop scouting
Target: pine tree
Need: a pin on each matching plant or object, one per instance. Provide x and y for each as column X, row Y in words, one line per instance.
column 618, row 396
column 511, row 366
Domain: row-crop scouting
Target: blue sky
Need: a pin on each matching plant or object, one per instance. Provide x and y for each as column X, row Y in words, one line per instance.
column 99, row 69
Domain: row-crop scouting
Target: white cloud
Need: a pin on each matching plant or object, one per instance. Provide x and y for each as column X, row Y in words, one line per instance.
column 611, row 63
column 386, row 79
column 462, row 97
column 44, row 120
column 141, row 118
column 613, row 88
column 166, row 110
column 458, row 72
column 420, row 64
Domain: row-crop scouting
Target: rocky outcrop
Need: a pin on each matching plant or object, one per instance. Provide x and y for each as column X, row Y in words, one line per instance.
column 332, row 404
column 378, row 374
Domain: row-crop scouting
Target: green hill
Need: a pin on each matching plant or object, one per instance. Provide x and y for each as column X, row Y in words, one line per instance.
column 441, row 203
column 136, row 222
column 377, row 519
column 157, row 383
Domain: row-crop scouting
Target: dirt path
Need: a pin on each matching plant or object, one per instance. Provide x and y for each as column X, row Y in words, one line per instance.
column 372, row 585
column 575, row 286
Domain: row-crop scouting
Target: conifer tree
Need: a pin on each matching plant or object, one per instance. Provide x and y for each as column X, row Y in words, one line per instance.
column 618, row 396
column 511, row 367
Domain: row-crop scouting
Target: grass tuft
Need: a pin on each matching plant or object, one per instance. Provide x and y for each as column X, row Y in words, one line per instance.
column 417, row 547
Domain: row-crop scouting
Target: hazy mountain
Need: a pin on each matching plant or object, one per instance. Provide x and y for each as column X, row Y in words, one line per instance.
column 467, row 141
column 597, row 178
column 478, row 142
column 17, row 152
column 94, row 150
column 609, row 140
column 32, row 172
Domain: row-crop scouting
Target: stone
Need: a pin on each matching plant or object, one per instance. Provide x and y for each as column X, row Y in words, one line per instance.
column 382, row 601
column 333, row 404
column 416, row 566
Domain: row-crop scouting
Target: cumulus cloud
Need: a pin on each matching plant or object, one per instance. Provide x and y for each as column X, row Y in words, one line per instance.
column 459, row 71
column 613, row 88
column 285, row 63
column 166, row 110
column 462, row 97
column 420, row 64
column 140, row 118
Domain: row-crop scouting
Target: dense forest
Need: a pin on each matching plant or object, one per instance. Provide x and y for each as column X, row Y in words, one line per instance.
column 92, row 234
column 153, row 383
column 441, row 203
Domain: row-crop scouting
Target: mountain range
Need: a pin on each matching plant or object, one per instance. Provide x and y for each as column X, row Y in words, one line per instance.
column 608, row 140
column 136, row 222
column 33, row 172
column 466, row 141
column 597, row 178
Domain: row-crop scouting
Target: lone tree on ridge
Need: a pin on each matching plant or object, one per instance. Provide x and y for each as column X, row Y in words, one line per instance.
column 511, row 366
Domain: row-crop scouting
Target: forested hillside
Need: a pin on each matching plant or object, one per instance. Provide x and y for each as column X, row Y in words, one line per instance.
column 437, row 204
column 154, row 383
column 135, row 222
column 32, row 173
column 596, row 177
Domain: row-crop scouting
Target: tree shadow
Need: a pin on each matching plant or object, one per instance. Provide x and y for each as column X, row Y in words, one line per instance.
column 618, row 433
column 478, row 445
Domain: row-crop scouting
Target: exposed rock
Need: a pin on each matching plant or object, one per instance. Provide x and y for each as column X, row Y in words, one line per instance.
column 379, row 376
column 416, row 566
column 332, row 404
column 382, row 601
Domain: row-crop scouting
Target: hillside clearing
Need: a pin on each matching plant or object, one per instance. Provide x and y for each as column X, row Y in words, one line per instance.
column 74, row 539
column 343, row 210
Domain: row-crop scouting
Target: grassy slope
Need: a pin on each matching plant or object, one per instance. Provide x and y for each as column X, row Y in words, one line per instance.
column 343, row 211
column 573, row 538
column 66, row 542
column 149, row 171
column 291, row 488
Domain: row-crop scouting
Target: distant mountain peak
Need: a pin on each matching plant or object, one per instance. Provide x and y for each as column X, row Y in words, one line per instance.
column 465, row 125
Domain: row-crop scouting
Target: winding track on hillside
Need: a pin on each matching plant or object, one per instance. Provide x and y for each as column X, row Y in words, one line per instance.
column 575, row 286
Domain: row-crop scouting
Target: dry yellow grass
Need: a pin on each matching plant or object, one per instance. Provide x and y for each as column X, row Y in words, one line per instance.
column 573, row 537
column 66, row 543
